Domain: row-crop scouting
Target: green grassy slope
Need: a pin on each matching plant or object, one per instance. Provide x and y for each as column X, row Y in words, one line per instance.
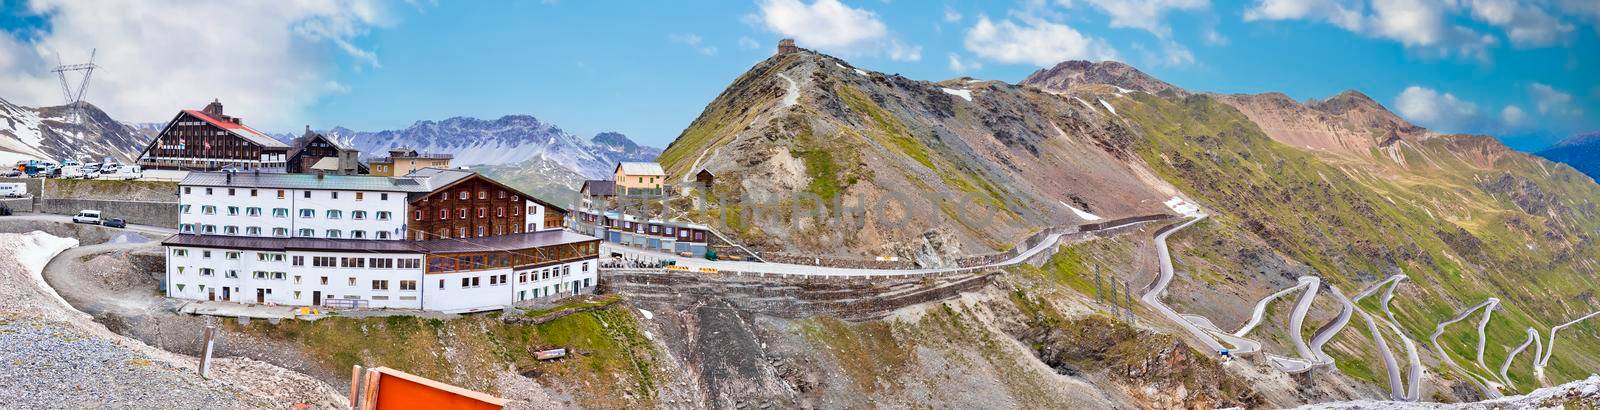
column 1462, row 231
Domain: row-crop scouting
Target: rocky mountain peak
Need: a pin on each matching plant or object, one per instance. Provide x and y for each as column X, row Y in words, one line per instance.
column 1071, row 73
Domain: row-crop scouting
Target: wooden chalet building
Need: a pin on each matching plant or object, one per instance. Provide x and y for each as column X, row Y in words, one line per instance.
column 208, row 140
column 314, row 152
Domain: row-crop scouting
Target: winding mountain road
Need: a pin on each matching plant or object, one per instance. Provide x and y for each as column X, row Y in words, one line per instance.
column 1533, row 337
column 1397, row 389
column 1152, row 295
column 1550, row 348
column 1482, row 384
column 1259, row 313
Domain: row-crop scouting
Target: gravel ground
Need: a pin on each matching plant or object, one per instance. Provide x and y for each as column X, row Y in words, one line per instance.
column 54, row 356
column 49, row 366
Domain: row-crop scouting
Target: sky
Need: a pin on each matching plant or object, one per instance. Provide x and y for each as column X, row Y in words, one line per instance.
column 1522, row 71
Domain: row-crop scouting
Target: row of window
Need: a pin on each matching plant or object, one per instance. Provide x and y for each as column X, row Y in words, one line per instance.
column 209, row 229
column 483, row 212
column 317, row 261
column 377, row 284
column 466, row 194
column 359, row 196
column 305, row 213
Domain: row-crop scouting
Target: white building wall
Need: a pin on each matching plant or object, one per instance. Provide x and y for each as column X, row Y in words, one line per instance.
column 297, row 285
column 193, row 202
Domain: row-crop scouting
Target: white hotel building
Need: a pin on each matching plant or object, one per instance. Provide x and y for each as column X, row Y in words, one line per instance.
column 437, row 239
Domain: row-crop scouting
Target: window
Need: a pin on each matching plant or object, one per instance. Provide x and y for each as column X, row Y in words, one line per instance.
column 231, row 274
column 306, row 194
column 461, row 232
column 307, row 213
column 410, row 263
column 307, row 232
column 335, row 214
column 358, row 196
column 230, row 230
column 464, row 194
column 280, row 232
column 350, row 281
column 208, row 209
column 252, row 211
column 444, row 214
column 515, row 210
column 483, row 194
column 280, row 194
column 494, row 280
column 300, row 261
column 500, row 212
column 358, row 214
column 441, row 285
column 186, row 191
column 258, row 274
column 380, row 285
column 207, row 272
column 333, row 194
column 383, row 196
column 208, row 229
column 483, row 212
column 180, row 252
column 585, row 267
column 381, row 234
column 481, row 232
column 252, row 231
column 383, row 215
column 333, row 234
column 183, row 208
column 461, row 213
column 501, row 194
column 233, row 211
column 408, row 285
column 324, row 281
column 280, row 212
column 358, row 234
column 230, row 191
column 186, row 228
column 208, row 191
column 324, row 261
column 417, row 214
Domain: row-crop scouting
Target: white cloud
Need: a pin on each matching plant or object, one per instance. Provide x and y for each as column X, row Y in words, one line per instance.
column 1418, row 24
column 1144, row 14
column 1037, row 42
column 1551, row 101
column 1215, row 38
column 951, row 15
column 959, row 66
column 1439, row 111
column 693, row 41
column 267, row 60
column 1527, row 25
column 749, row 43
column 1513, row 116
column 832, row 26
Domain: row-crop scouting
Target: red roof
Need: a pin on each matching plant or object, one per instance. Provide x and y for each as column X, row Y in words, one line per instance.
column 259, row 137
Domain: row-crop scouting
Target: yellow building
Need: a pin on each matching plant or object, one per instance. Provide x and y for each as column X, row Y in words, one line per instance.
column 403, row 161
column 639, row 178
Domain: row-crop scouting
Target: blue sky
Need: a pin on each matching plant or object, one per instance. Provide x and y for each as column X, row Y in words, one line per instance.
column 1520, row 70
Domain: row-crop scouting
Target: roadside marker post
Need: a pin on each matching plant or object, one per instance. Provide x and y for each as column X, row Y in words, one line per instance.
column 209, row 338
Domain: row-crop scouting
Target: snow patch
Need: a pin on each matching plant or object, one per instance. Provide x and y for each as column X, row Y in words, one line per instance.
column 857, row 70
column 1184, row 207
column 792, row 96
column 965, row 94
column 647, row 314
column 1081, row 214
column 1109, row 107
column 1121, row 90
column 1085, row 103
column 36, row 249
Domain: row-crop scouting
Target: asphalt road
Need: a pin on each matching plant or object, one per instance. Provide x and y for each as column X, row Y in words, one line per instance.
column 1397, row 389
column 1438, row 330
column 153, row 230
column 1152, row 298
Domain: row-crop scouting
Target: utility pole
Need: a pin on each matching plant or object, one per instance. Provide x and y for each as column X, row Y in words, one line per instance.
column 1127, row 294
column 74, row 95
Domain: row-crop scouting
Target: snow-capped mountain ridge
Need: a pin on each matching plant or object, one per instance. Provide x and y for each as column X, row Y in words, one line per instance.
column 507, row 140
column 47, row 133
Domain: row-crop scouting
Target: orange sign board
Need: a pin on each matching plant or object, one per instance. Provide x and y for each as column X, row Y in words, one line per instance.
column 383, row 388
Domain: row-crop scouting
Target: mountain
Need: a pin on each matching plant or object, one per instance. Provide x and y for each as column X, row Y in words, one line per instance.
column 1339, row 188
column 47, row 133
column 1581, row 152
column 508, row 140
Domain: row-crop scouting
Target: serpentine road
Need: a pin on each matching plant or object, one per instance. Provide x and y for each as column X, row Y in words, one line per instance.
column 1152, row 296
column 1397, row 389
column 1533, row 337
column 1550, row 348
column 1482, row 384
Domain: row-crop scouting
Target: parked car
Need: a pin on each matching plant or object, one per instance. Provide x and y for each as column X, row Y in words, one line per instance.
column 87, row 216
column 90, row 169
column 12, row 173
column 110, row 168
column 115, row 223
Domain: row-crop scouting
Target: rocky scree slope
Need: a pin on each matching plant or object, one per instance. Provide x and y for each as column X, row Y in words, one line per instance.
column 918, row 170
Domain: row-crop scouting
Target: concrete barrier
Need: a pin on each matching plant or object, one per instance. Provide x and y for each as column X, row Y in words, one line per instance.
column 18, row 204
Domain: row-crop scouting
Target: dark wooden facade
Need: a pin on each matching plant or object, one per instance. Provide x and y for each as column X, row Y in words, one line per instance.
column 473, row 207
column 210, row 140
column 517, row 259
column 314, row 147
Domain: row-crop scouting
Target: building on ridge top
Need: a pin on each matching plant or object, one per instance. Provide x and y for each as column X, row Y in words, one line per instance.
column 786, row 46
column 208, row 140
column 438, row 239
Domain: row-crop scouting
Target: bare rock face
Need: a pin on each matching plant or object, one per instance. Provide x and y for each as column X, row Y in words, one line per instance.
column 1067, row 74
column 1348, row 124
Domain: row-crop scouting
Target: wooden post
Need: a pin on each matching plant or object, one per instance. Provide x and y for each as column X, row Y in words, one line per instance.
column 208, row 338
column 355, row 385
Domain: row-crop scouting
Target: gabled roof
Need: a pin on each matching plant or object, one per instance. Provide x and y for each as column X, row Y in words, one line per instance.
column 640, row 168
column 599, row 187
column 441, row 178
column 249, row 134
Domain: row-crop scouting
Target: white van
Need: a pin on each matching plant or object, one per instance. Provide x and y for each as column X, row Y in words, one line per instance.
column 13, row 189
column 72, row 171
column 87, row 216
column 128, row 172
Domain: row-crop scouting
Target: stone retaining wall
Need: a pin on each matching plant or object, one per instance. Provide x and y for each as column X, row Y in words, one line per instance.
column 158, row 214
